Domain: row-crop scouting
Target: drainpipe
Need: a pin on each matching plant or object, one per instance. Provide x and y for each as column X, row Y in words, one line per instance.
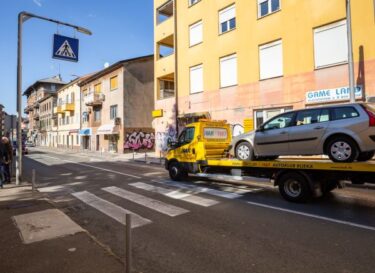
column 350, row 51
column 175, row 61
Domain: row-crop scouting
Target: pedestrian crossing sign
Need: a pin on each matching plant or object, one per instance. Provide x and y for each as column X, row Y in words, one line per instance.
column 65, row 48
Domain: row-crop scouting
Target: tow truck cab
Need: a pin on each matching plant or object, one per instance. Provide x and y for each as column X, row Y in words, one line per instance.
column 199, row 141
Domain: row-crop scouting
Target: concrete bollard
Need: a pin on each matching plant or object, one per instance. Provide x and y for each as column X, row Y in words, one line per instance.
column 128, row 241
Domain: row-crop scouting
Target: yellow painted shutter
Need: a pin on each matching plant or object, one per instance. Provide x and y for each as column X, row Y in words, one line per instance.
column 114, row 83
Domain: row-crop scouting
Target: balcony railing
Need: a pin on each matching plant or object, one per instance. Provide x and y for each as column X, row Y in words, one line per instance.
column 68, row 106
column 92, row 99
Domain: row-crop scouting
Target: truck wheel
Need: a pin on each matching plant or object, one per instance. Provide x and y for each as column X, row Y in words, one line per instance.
column 328, row 186
column 365, row 156
column 176, row 172
column 294, row 187
column 342, row 149
column 244, row 151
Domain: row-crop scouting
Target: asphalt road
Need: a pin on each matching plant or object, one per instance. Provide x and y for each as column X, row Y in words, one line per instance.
column 205, row 225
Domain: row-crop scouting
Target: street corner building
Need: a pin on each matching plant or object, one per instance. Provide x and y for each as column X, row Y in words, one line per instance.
column 247, row 61
column 116, row 103
column 41, row 99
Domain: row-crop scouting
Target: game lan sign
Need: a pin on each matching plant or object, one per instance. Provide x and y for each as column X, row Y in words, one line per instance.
column 65, row 48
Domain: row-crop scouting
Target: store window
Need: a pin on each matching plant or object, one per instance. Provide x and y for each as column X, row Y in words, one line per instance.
column 228, row 71
column 331, row 45
column 271, row 60
column 227, row 19
column 196, row 79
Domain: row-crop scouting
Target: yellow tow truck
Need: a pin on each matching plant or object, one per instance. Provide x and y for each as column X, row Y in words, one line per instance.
column 201, row 148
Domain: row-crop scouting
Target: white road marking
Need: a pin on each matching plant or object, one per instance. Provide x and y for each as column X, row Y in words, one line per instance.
column 146, row 201
column 110, row 209
column 98, row 168
column 314, row 216
column 199, row 189
column 175, row 194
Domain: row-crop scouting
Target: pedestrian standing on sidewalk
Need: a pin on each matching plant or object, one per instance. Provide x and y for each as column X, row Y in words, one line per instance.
column 3, row 160
column 9, row 151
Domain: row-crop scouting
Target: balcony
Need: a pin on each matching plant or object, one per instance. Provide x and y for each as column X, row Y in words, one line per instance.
column 165, row 66
column 58, row 110
column 93, row 99
column 36, row 105
column 36, row 116
column 68, row 107
column 28, row 109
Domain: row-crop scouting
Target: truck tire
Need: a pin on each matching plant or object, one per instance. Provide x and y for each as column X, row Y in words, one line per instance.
column 294, row 187
column 328, row 186
column 176, row 171
column 365, row 156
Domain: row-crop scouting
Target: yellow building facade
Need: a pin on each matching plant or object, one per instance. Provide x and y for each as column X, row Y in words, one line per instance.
column 252, row 59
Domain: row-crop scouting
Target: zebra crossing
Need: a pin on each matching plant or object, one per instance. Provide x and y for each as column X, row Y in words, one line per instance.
column 179, row 191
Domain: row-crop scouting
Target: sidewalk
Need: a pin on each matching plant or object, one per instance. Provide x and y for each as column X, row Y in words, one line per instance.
column 148, row 158
column 35, row 244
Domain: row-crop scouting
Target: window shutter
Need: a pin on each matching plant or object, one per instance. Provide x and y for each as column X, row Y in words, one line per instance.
column 228, row 71
column 196, row 79
column 330, row 44
column 227, row 14
column 196, row 33
column 271, row 60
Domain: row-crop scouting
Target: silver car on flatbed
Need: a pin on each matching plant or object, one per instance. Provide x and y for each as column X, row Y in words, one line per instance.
column 344, row 132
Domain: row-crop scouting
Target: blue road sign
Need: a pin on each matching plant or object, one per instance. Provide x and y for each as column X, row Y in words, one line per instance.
column 65, row 48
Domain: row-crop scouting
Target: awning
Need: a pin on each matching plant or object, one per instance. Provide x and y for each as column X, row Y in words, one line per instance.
column 108, row 129
column 85, row 132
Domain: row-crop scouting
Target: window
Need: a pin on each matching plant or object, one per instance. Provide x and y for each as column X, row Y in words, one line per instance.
column 228, row 71
column 113, row 83
column 227, row 19
column 186, row 136
column 196, row 79
column 196, row 33
column 307, row 117
column 113, row 112
column 271, row 60
column 267, row 6
column 98, row 88
column 97, row 114
column 72, row 98
column 279, row 122
column 262, row 116
column 344, row 113
column 331, row 45
column 192, row 2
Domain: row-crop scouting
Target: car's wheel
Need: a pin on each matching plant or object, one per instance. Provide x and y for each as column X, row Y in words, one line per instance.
column 365, row 156
column 342, row 149
column 294, row 187
column 244, row 151
column 176, row 171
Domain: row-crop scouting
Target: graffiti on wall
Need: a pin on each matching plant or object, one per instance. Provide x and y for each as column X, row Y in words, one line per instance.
column 139, row 139
column 163, row 138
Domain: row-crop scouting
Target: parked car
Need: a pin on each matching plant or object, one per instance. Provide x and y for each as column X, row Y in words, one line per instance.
column 30, row 144
column 344, row 132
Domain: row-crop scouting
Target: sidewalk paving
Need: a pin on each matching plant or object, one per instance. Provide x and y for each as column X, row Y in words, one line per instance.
column 71, row 253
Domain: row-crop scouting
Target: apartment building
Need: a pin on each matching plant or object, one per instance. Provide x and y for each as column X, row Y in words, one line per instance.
column 251, row 60
column 116, row 106
column 35, row 93
column 47, row 120
column 68, row 111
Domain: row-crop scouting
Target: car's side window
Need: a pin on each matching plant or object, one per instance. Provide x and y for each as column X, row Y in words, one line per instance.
column 344, row 113
column 324, row 115
column 279, row 122
column 307, row 117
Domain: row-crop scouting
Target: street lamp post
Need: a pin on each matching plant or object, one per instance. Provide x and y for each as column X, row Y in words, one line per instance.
column 350, row 51
column 22, row 17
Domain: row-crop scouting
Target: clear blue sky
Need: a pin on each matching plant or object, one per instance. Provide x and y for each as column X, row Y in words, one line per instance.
column 121, row 29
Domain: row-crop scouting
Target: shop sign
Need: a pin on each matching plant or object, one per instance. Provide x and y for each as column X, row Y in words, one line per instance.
column 335, row 94
column 215, row 133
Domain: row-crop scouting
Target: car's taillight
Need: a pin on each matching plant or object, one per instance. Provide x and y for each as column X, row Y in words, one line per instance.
column 371, row 116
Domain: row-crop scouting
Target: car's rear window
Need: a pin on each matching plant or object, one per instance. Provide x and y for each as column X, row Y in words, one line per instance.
column 344, row 113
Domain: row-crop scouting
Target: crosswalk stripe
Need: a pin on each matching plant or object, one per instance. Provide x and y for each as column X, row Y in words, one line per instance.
column 199, row 189
column 110, row 209
column 176, row 194
column 146, row 201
